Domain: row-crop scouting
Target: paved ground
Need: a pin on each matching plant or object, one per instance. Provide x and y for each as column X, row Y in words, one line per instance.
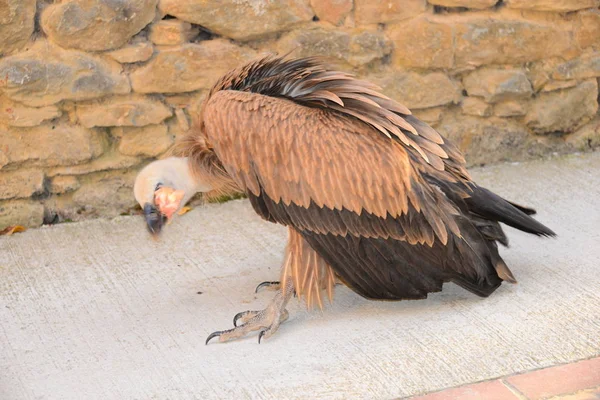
column 574, row 381
column 96, row 310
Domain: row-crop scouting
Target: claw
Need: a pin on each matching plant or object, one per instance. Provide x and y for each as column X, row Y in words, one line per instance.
column 236, row 317
column 260, row 335
column 265, row 284
column 242, row 315
column 213, row 335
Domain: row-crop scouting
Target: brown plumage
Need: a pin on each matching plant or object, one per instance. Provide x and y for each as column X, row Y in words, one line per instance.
column 370, row 193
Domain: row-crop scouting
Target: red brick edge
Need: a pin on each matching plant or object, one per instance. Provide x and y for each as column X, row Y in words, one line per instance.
column 576, row 381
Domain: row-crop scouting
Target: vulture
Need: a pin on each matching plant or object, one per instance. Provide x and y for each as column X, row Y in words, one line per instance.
column 373, row 197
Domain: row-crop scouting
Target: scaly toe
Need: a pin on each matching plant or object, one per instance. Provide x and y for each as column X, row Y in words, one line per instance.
column 270, row 330
column 254, row 324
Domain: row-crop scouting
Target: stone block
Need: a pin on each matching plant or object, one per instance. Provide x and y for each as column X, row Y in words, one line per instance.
column 50, row 145
column 422, row 42
column 191, row 66
column 21, row 212
column 21, row 183
column 356, row 47
column 96, row 25
column 386, row 11
column 419, row 90
column 46, row 75
column 131, row 110
column 494, row 84
column 241, row 20
column 332, row 11
column 17, row 22
column 563, row 110
column 149, row 141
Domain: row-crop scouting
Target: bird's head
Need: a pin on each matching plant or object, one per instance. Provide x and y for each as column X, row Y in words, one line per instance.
column 162, row 188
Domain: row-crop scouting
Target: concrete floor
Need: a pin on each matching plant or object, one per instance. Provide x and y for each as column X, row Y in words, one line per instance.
column 97, row 310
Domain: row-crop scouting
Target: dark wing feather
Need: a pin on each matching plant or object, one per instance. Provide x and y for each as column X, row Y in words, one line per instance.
column 381, row 267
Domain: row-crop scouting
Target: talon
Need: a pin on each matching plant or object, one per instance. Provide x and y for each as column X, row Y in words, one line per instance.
column 265, row 284
column 265, row 322
column 213, row 335
column 239, row 315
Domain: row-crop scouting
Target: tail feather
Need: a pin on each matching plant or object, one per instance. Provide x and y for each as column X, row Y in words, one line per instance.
column 504, row 272
column 491, row 206
column 526, row 210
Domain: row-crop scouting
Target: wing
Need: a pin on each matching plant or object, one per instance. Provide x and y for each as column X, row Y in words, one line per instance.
column 358, row 197
column 305, row 156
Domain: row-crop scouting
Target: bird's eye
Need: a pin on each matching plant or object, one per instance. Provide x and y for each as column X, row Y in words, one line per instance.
column 158, row 186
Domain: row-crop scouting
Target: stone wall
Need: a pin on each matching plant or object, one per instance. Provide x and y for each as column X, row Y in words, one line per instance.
column 91, row 90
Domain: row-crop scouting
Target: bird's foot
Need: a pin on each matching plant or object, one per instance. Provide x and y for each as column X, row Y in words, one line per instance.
column 266, row 321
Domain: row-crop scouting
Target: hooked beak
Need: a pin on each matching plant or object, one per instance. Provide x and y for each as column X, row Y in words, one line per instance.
column 154, row 219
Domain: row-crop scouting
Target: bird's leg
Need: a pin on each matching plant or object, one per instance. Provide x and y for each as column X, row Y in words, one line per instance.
column 266, row 321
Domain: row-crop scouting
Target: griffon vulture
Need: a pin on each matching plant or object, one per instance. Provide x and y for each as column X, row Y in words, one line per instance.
column 371, row 195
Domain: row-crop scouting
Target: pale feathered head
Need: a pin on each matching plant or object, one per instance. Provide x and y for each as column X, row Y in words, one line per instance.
column 163, row 187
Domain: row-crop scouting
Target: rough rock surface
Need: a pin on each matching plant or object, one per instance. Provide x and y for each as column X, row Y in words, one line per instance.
column 107, row 162
column 193, row 66
column 475, row 106
column 507, row 38
column 50, row 145
column 46, row 74
column 96, row 25
column 510, row 108
column 16, row 24
column 492, row 139
column 357, row 47
column 384, row 11
column 131, row 110
column 498, row 84
column 19, row 115
column 171, row 32
column 423, row 42
column 557, row 85
column 579, row 68
column 539, row 73
column 587, row 29
column 29, row 213
column 430, row 115
column 137, row 52
column 149, row 141
column 63, row 184
column 587, row 137
column 474, row 4
column 105, row 195
column 563, row 110
column 241, row 19
column 21, row 183
column 552, row 5
column 420, row 91
column 332, row 11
